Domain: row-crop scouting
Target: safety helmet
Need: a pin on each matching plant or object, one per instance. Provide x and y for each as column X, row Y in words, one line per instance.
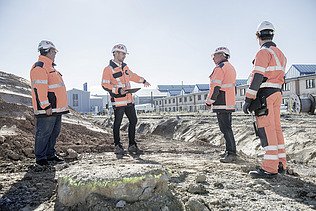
column 222, row 50
column 265, row 28
column 46, row 45
column 120, row 48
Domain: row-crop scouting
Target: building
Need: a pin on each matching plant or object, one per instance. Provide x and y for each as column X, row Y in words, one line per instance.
column 96, row 104
column 189, row 98
column 79, row 100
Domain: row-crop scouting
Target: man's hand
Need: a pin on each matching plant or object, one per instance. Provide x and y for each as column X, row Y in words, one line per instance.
column 245, row 107
column 122, row 91
column 209, row 102
column 146, row 84
column 49, row 112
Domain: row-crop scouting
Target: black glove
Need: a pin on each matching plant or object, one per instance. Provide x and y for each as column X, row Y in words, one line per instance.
column 245, row 107
column 208, row 104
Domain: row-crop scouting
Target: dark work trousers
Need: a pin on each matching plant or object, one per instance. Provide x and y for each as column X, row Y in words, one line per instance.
column 225, row 125
column 132, row 118
column 47, row 131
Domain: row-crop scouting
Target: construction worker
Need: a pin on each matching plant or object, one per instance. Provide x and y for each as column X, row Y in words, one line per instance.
column 116, row 80
column 49, row 99
column 264, row 98
column 222, row 99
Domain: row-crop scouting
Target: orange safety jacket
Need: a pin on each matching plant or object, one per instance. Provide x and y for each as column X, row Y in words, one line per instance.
column 48, row 88
column 222, row 88
column 117, row 77
column 268, row 71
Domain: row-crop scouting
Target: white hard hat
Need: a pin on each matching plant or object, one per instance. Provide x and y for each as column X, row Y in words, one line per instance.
column 265, row 25
column 46, row 45
column 120, row 48
column 222, row 50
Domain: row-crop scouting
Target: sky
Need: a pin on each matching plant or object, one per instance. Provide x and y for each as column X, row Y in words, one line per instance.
column 169, row 41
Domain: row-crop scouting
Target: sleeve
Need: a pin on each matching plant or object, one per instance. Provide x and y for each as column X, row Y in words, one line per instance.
column 113, row 90
column 39, row 80
column 216, row 80
column 260, row 65
column 136, row 78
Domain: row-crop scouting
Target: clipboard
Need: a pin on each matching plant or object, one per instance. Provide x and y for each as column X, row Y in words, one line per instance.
column 132, row 90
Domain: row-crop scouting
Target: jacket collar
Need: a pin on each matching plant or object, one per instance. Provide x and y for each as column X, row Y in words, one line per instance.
column 46, row 60
column 114, row 65
column 268, row 44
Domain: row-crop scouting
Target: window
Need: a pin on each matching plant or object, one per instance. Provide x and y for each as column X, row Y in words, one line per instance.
column 174, row 100
column 242, row 92
column 191, row 98
column 286, row 87
column 205, row 96
column 165, row 101
column 75, row 100
column 180, row 100
column 185, row 99
column 310, row 83
column 199, row 97
column 169, row 101
column 159, row 102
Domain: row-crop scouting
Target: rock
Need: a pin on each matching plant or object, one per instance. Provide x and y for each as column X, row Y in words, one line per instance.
column 219, row 185
column 201, row 178
column 214, row 202
column 311, row 195
column 120, row 204
column 72, row 154
column 197, row 189
column 194, row 204
column 28, row 152
column 12, row 155
column 2, row 139
column 26, row 208
column 138, row 182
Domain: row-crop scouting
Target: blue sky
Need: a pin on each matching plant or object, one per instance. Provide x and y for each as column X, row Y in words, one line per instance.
column 169, row 41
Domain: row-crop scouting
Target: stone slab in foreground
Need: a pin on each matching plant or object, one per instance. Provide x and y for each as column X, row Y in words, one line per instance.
column 114, row 182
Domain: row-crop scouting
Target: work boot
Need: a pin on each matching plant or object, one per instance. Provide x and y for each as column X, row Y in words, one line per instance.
column 260, row 173
column 42, row 162
column 118, row 149
column 133, row 149
column 55, row 159
column 228, row 158
column 281, row 169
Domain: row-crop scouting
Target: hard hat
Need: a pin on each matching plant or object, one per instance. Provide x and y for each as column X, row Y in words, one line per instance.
column 222, row 50
column 265, row 25
column 46, row 45
column 120, row 48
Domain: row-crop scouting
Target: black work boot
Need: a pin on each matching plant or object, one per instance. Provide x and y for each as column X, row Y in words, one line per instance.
column 133, row 149
column 118, row 149
column 260, row 173
column 42, row 162
column 228, row 158
column 55, row 159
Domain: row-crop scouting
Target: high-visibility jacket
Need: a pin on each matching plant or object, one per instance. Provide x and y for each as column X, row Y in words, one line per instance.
column 48, row 88
column 268, row 71
column 222, row 87
column 117, row 77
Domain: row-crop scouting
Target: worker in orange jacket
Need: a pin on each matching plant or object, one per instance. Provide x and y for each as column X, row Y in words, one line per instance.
column 116, row 80
column 222, row 99
column 264, row 98
column 49, row 99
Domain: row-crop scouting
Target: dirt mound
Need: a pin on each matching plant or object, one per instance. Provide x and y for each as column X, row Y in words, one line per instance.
column 17, row 134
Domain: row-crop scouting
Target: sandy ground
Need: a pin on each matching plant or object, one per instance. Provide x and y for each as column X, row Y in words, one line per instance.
column 167, row 141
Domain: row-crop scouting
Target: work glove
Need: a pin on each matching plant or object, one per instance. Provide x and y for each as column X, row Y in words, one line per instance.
column 245, row 107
